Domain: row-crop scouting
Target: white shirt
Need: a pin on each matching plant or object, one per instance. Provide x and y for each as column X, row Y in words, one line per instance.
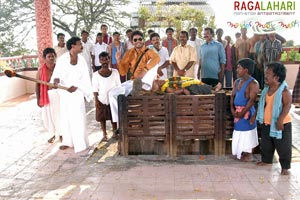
column 103, row 85
column 99, row 48
column 164, row 56
column 73, row 75
column 129, row 45
column 196, row 43
column 87, row 51
column 60, row 50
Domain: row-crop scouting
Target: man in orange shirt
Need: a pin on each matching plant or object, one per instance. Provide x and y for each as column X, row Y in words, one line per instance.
column 273, row 113
column 143, row 73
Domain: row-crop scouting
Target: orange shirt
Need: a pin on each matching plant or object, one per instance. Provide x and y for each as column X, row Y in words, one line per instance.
column 268, row 110
column 148, row 61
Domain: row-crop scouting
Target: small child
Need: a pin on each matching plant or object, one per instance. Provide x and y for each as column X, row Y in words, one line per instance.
column 103, row 80
column 273, row 113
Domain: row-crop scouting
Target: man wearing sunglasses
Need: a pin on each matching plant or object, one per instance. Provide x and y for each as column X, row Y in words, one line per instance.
column 143, row 73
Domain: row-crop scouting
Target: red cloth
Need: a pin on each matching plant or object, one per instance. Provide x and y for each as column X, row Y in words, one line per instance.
column 240, row 109
column 44, row 98
column 165, row 44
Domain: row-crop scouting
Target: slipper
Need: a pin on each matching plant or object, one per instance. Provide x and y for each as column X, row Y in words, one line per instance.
column 63, row 147
column 52, row 139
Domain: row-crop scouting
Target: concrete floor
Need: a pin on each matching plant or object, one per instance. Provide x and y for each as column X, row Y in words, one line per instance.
column 31, row 168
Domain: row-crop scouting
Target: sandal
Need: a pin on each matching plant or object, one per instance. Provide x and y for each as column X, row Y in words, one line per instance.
column 52, row 139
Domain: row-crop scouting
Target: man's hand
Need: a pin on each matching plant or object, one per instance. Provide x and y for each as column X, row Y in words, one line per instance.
column 159, row 72
column 141, row 74
column 252, row 119
column 279, row 125
column 118, row 55
column 72, row 89
column 56, row 82
column 181, row 72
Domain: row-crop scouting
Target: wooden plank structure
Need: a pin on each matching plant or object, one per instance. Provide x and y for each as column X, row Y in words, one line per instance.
column 144, row 124
column 172, row 124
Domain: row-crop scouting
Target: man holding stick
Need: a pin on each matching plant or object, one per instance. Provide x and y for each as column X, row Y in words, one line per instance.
column 71, row 71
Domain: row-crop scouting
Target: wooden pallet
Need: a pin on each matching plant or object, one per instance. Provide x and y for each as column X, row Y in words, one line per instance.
column 147, row 122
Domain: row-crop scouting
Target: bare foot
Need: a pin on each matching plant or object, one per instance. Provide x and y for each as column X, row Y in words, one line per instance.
column 218, row 87
column 263, row 164
column 285, row 172
column 234, row 157
column 247, row 157
column 63, row 147
column 104, row 139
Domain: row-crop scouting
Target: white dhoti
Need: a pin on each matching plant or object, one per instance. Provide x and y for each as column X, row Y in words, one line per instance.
column 244, row 141
column 73, row 120
column 196, row 68
column 51, row 114
column 125, row 89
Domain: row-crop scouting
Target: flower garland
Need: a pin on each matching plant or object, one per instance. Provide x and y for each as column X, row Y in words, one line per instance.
column 179, row 82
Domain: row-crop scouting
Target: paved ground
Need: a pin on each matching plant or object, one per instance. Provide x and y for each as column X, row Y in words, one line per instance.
column 30, row 168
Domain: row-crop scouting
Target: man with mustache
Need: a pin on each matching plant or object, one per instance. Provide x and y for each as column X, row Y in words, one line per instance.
column 212, row 59
column 71, row 71
column 163, row 55
column 183, row 57
column 142, row 73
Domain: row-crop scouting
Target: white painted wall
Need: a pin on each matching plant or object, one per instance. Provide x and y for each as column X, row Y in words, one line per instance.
column 14, row 87
column 292, row 71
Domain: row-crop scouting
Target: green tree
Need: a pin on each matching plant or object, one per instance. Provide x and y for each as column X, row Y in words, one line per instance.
column 75, row 15
column 289, row 43
column 17, row 17
column 182, row 17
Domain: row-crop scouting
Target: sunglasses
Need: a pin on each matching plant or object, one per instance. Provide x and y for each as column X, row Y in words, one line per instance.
column 137, row 39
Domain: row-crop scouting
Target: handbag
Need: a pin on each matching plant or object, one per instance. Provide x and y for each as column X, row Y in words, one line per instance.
column 129, row 73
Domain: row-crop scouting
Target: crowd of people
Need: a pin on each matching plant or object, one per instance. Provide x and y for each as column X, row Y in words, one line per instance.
column 104, row 69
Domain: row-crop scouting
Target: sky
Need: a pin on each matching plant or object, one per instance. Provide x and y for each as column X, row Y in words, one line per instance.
column 225, row 14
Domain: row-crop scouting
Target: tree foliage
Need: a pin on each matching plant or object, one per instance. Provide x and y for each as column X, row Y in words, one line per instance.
column 75, row 15
column 17, row 17
column 181, row 17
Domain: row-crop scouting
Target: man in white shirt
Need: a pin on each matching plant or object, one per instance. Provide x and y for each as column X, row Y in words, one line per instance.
column 60, row 48
column 87, row 50
column 99, row 47
column 71, row 71
column 195, row 42
column 163, row 55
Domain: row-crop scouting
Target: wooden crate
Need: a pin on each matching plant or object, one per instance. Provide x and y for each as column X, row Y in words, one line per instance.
column 192, row 120
column 164, row 124
column 144, row 124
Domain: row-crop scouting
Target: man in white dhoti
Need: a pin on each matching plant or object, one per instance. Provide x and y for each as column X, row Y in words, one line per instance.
column 244, row 93
column 47, row 98
column 71, row 71
column 143, row 72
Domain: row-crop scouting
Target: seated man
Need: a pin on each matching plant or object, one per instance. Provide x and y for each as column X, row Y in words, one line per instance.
column 184, row 85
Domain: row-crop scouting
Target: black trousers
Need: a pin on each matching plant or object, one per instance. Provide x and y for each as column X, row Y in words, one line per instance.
column 283, row 146
column 210, row 81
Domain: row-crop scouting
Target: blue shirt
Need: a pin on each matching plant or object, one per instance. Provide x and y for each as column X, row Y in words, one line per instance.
column 212, row 55
column 241, row 100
